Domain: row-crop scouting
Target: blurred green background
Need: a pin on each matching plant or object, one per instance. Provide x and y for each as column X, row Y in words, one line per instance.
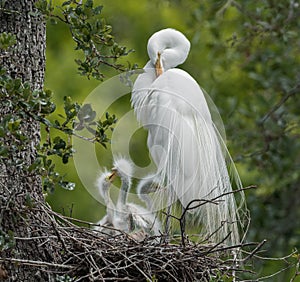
column 246, row 55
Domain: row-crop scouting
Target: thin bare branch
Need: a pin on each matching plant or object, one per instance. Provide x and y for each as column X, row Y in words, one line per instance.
column 36, row 263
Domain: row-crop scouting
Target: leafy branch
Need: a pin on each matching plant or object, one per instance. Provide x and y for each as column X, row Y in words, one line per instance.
column 25, row 105
column 92, row 35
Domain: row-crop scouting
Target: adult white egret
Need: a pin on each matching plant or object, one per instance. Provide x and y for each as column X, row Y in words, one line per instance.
column 183, row 140
column 131, row 217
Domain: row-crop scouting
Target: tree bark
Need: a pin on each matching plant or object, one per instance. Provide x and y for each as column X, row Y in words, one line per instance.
column 27, row 62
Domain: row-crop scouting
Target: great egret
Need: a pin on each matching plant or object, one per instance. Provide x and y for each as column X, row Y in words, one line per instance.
column 131, row 217
column 103, row 184
column 183, row 141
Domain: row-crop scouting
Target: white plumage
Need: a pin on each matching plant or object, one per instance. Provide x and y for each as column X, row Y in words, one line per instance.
column 182, row 139
column 103, row 184
column 124, row 216
column 131, row 217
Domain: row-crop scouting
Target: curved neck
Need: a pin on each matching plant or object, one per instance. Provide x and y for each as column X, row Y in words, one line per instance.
column 108, row 202
column 169, row 46
column 147, row 187
column 125, row 188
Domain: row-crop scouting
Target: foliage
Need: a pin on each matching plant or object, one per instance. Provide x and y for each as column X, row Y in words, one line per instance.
column 26, row 104
column 7, row 40
column 91, row 34
column 259, row 101
column 268, row 45
column 7, row 240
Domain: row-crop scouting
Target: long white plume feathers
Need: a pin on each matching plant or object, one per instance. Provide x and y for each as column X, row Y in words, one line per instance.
column 188, row 151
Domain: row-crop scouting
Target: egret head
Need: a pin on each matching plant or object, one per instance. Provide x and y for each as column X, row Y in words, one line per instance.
column 167, row 49
column 103, row 183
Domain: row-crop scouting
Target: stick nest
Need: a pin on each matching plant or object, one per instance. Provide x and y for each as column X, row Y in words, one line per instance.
column 83, row 254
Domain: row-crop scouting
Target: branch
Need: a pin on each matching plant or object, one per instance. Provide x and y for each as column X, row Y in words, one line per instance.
column 213, row 201
column 255, row 250
column 36, row 263
column 291, row 93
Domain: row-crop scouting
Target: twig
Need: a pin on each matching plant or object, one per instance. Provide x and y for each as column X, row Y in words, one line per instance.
column 36, row 263
column 291, row 93
column 138, row 268
column 258, row 247
column 213, row 200
column 218, row 244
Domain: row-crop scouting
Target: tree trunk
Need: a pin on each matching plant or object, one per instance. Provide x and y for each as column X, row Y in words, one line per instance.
column 27, row 62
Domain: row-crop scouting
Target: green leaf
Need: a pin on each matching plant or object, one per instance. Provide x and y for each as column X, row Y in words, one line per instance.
column 59, row 143
column 14, row 125
column 7, row 40
column 53, row 21
column 65, row 158
column 89, row 4
column 98, row 10
column 67, row 185
column 2, row 131
column 4, row 151
column 67, row 3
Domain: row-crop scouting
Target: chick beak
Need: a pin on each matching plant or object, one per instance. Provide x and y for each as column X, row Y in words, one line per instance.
column 158, row 66
column 113, row 175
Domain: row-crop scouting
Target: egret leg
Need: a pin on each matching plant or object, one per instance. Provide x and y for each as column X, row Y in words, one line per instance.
column 168, row 219
column 167, row 225
column 182, row 221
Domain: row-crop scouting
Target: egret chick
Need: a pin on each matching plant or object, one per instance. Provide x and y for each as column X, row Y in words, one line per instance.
column 130, row 217
column 147, row 185
column 103, row 184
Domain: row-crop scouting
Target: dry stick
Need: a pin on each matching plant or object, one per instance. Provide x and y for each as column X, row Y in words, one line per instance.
column 58, row 234
column 271, row 275
column 69, row 221
column 91, row 275
column 212, row 234
column 218, row 244
column 138, row 268
column 182, row 218
column 36, row 263
column 90, row 259
column 297, row 273
column 34, row 238
column 233, row 247
column 171, row 266
column 220, row 196
column 203, row 202
column 278, row 259
column 121, row 245
column 256, row 249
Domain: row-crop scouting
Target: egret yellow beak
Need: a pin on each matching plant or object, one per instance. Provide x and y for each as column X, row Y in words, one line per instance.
column 112, row 176
column 158, row 66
